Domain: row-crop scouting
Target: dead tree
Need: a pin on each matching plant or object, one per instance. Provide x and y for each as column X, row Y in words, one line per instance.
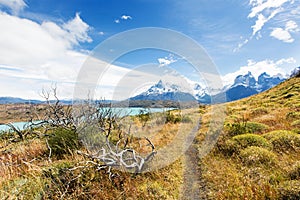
column 106, row 122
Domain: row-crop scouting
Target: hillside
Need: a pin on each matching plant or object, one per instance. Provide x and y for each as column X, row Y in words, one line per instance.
column 257, row 155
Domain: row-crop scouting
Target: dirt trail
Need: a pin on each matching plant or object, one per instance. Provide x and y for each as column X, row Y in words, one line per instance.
column 194, row 186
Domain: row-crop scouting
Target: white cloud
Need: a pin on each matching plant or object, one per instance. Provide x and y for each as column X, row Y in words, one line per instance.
column 101, row 33
column 261, row 20
column 282, row 66
column 291, row 26
column 282, row 35
column 285, row 34
column 39, row 53
column 240, row 45
column 267, row 5
column 263, row 11
column 15, row 5
column 290, row 60
column 36, row 55
column 78, row 30
column 126, row 17
column 166, row 60
column 123, row 17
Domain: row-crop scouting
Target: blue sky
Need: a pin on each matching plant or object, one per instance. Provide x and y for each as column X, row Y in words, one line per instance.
column 47, row 41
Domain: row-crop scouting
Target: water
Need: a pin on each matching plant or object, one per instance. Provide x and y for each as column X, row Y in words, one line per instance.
column 120, row 111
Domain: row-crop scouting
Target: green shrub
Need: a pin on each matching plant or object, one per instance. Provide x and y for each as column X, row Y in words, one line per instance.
column 257, row 156
column 24, row 187
column 239, row 128
column 60, row 179
column 283, row 141
column 294, row 173
column 236, row 128
column 293, row 115
column 239, row 142
column 289, row 190
column 259, row 111
column 173, row 118
column 63, row 141
column 255, row 127
column 296, row 123
column 144, row 116
column 186, row 119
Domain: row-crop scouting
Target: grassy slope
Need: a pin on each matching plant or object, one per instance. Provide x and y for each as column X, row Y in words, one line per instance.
column 26, row 172
column 235, row 171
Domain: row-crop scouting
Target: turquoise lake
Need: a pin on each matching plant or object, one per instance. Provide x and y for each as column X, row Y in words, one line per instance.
column 120, row 111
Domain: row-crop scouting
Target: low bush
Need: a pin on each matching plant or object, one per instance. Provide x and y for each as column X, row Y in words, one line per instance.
column 172, row 118
column 294, row 173
column 186, row 119
column 257, row 156
column 255, row 127
column 63, row 141
column 240, row 142
column 289, row 190
column 259, row 111
column 296, row 123
column 283, row 141
column 239, row 128
column 293, row 115
column 176, row 118
column 143, row 117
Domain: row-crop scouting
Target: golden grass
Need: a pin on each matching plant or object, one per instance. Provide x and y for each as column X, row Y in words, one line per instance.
column 229, row 177
column 26, row 173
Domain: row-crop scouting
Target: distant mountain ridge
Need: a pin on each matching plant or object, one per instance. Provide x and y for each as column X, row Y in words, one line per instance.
column 15, row 100
column 166, row 92
column 246, row 85
column 243, row 86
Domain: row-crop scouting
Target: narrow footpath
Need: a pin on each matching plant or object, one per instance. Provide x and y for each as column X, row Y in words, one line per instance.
column 194, row 187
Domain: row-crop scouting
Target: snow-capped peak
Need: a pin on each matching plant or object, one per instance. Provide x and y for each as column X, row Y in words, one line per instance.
column 162, row 87
column 295, row 72
column 246, row 80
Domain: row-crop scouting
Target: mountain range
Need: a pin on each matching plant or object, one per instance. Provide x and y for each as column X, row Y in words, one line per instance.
column 246, row 85
column 243, row 86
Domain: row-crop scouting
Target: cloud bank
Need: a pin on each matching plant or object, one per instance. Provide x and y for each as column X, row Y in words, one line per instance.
column 14, row 5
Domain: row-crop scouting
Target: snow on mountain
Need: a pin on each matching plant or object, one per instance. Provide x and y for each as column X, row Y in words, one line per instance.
column 243, row 86
column 246, row 85
column 295, row 72
column 188, row 91
column 160, row 88
column 247, row 80
column 265, row 81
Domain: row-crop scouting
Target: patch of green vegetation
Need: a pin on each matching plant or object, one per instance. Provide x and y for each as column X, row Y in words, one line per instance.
column 296, row 123
column 144, row 117
column 294, row 173
column 63, row 141
column 289, row 190
column 238, row 128
column 293, row 115
column 27, row 187
column 155, row 190
column 255, row 127
column 177, row 118
column 259, row 111
column 283, row 141
column 252, row 156
column 240, row 142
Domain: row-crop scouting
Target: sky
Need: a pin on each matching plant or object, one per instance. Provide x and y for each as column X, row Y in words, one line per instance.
column 47, row 42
